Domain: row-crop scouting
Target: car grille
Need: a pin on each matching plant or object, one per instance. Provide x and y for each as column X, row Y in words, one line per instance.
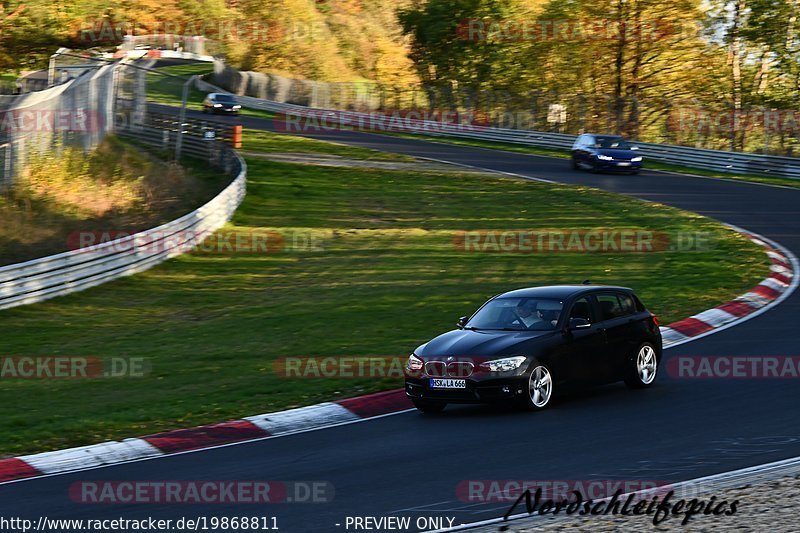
column 454, row 369
column 459, row 369
column 436, row 369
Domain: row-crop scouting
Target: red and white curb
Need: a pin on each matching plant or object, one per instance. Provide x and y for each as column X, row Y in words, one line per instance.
column 183, row 440
column 781, row 282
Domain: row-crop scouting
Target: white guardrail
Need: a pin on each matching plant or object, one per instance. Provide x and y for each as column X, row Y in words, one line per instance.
column 76, row 270
column 718, row 160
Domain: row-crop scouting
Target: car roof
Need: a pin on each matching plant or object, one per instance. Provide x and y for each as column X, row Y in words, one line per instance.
column 558, row 291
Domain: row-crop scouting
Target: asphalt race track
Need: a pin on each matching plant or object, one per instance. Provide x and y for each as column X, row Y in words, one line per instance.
column 409, row 464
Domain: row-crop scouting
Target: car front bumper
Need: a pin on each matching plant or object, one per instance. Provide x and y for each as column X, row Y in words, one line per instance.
column 618, row 166
column 476, row 391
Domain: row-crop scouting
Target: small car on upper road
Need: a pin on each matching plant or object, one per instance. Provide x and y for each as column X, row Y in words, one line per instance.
column 221, row 103
column 523, row 345
column 605, row 153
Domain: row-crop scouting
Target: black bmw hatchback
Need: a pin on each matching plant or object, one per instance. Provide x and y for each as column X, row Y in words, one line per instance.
column 523, row 345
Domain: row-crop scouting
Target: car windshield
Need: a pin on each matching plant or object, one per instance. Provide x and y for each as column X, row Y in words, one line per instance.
column 224, row 98
column 613, row 143
column 517, row 314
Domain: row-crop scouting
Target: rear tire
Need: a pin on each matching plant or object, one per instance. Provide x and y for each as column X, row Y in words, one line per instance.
column 540, row 387
column 595, row 168
column 643, row 367
column 429, row 406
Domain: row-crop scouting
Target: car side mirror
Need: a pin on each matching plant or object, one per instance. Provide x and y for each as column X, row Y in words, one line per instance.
column 579, row 323
column 462, row 322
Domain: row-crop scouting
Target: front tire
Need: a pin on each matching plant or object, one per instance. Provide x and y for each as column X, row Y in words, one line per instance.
column 429, row 406
column 575, row 165
column 643, row 368
column 540, row 387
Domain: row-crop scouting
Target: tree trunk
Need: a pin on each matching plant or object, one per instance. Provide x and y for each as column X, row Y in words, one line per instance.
column 619, row 66
column 736, row 54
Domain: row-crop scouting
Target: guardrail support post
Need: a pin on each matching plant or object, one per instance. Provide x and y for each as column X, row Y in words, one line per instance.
column 182, row 118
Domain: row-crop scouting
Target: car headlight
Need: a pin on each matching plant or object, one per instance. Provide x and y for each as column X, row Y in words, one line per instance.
column 217, row 105
column 414, row 363
column 636, row 159
column 237, row 107
column 605, row 157
column 504, row 365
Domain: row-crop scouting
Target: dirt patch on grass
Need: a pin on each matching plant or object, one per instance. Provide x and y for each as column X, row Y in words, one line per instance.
column 114, row 188
column 330, row 160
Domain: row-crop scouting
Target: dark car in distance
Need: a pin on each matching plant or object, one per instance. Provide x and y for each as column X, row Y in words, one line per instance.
column 600, row 153
column 221, row 103
column 523, row 345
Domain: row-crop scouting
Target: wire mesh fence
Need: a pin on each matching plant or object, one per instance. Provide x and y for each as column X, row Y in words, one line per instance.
column 78, row 113
column 111, row 98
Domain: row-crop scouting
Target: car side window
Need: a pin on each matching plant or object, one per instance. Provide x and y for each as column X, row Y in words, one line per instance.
column 581, row 309
column 609, row 306
column 627, row 307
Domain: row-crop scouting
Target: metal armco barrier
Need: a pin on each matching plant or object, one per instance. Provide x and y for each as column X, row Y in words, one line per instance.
column 208, row 148
column 205, row 129
column 717, row 160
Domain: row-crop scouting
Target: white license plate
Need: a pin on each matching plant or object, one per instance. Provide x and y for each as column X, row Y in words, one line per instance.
column 437, row 383
column 625, row 164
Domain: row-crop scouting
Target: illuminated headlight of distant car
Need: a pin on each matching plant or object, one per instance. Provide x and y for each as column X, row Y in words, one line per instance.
column 636, row 159
column 237, row 107
column 414, row 362
column 504, row 365
column 604, row 157
column 217, row 105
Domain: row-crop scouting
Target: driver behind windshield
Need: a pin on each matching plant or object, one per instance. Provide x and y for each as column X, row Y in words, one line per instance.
column 530, row 313
column 526, row 313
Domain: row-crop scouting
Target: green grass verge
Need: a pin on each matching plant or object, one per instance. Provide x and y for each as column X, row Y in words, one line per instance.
column 565, row 154
column 262, row 141
column 387, row 278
